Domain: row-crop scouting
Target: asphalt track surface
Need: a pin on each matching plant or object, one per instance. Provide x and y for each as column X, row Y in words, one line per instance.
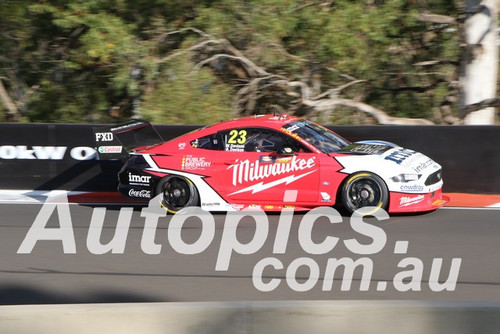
column 47, row 275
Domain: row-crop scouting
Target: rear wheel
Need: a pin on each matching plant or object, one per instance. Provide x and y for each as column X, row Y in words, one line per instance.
column 364, row 189
column 177, row 192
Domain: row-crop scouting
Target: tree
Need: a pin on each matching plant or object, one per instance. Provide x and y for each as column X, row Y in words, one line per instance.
column 480, row 61
column 306, row 59
column 340, row 62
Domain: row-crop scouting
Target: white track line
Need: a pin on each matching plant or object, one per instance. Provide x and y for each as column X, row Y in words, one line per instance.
column 470, row 208
column 34, row 196
column 14, row 196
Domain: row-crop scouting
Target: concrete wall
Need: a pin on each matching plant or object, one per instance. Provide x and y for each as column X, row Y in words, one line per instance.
column 405, row 317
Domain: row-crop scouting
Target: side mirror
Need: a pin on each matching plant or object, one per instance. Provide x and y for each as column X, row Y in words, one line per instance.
column 285, row 150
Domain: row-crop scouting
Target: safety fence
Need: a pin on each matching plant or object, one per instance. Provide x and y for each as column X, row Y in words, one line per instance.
column 63, row 156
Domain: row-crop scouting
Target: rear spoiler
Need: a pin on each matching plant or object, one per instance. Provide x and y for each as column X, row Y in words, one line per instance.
column 117, row 141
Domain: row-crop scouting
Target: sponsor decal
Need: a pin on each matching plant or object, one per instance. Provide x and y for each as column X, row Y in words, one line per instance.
column 110, row 149
column 139, row 193
column 407, row 201
column 182, row 146
column 267, row 159
column 400, row 155
column 275, row 159
column 413, row 188
column 211, row 204
column 283, row 160
column 104, row 136
column 293, row 127
column 291, row 133
column 194, row 163
column 423, row 165
column 269, row 207
column 325, row 197
column 365, row 149
column 83, row 153
column 23, row 152
column 134, row 179
column 129, row 126
column 438, row 202
column 246, row 171
column 9, row 152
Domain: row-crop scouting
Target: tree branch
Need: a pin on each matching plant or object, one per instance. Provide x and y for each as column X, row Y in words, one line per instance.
column 176, row 32
column 267, row 90
column 192, row 48
column 435, row 18
column 488, row 103
column 12, row 110
column 249, row 65
column 336, row 91
column 378, row 114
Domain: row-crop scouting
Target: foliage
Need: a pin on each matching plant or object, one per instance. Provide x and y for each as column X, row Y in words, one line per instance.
column 94, row 61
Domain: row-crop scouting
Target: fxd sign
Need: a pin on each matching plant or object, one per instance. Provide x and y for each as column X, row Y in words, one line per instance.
column 104, row 136
column 23, row 152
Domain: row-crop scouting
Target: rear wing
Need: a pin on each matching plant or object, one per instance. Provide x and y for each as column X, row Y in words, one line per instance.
column 117, row 141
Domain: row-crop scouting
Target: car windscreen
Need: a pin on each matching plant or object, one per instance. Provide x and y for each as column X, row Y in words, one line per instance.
column 323, row 139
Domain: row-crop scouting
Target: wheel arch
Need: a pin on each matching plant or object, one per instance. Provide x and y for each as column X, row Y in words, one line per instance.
column 196, row 195
column 349, row 178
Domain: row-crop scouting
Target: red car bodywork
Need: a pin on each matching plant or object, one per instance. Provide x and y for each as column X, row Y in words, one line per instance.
column 237, row 179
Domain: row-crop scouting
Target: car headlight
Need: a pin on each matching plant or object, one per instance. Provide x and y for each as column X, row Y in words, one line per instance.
column 406, row 177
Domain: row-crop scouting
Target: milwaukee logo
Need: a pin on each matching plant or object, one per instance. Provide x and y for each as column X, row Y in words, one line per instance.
column 255, row 188
column 406, row 201
column 246, row 171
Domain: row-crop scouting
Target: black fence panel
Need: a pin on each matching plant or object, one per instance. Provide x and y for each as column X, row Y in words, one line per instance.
column 62, row 156
column 470, row 155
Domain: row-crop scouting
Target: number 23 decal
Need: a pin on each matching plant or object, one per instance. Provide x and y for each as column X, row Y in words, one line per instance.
column 237, row 137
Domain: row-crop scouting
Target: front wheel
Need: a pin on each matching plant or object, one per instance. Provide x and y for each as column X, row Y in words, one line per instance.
column 364, row 189
column 177, row 193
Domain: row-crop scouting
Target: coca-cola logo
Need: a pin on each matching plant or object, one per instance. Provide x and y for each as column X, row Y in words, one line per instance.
column 139, row 193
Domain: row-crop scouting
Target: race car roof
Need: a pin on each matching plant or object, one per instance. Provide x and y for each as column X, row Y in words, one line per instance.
column 272, row 121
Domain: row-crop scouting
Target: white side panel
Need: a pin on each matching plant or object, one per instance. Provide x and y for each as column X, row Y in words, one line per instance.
column 209, row 198
column 393, row 163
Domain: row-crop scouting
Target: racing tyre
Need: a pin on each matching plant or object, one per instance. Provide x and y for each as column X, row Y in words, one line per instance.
column 364, row 189
column 177, row 192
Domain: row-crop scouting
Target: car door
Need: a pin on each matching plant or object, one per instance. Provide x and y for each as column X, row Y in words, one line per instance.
column 265, row 167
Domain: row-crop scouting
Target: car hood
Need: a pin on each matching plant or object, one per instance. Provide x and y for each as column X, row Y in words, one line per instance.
column 367, row 147
column 384, row 159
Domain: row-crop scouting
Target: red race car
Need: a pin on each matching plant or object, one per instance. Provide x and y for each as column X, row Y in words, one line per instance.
column 269, row 162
